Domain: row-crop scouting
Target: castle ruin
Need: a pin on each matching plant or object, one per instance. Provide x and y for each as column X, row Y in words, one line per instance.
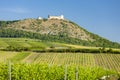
column 53, row 17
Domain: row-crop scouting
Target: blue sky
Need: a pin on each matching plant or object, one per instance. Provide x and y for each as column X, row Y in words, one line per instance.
column 101, row 17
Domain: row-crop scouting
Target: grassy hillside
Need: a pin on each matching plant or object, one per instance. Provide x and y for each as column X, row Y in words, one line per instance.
column 35, row 45
column 54, row 30
column 30, row 44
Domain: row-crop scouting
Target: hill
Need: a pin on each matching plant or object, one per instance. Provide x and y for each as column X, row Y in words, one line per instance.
column 55, row 30
column 21, row 44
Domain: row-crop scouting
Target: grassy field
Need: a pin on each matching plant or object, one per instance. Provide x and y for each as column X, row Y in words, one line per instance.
column 28, row 42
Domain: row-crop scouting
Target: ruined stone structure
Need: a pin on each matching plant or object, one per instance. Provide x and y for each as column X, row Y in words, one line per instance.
column 55, row 17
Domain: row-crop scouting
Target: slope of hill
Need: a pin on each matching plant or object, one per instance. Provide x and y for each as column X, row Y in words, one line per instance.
column 53, row 30
column 35, row 45
column 24, row 44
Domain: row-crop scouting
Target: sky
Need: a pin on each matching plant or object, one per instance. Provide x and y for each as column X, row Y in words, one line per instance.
column 101, row 17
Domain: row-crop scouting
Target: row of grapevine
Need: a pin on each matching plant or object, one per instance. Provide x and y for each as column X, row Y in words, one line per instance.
column 108, row 61
column 6, row 55
column 52, row 72
column 63, row 58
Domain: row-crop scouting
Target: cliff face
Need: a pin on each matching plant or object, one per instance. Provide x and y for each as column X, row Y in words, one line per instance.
column 51, row 27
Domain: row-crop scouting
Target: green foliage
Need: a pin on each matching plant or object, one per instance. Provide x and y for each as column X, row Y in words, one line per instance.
column 4, row 23
column 44, row 19
column 17, row 48
column 53, row 72
column 110, row 50
column 81, row 50
column 102, row 50
column 4, row 71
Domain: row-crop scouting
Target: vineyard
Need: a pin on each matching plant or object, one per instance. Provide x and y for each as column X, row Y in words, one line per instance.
column 50, row 72
column 107, row 61
column 57, row 66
